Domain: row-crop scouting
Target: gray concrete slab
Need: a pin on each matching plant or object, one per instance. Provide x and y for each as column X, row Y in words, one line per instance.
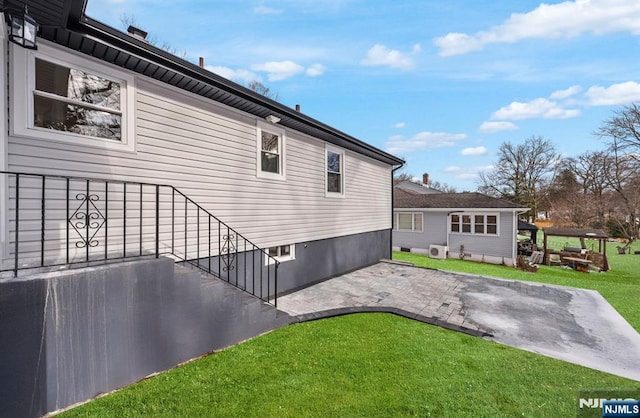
column 574, row 325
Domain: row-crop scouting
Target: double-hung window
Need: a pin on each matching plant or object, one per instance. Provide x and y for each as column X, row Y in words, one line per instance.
column 65, row 97
column 334, row 176
column 271, row 152
column 476, row 223
column 408, row 221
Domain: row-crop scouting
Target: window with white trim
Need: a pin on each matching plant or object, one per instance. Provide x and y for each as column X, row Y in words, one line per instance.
column 66, row 97
column 280, row 253
column 271, row 151
column 334, row 172
column 408, row 221
column 474, row 223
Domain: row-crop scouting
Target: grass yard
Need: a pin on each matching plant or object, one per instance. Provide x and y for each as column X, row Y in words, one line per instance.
column 384, row 365
column 360, row 365
column 620, row 285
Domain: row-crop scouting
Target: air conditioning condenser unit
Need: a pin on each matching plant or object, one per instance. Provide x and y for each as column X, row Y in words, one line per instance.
column 438, row 251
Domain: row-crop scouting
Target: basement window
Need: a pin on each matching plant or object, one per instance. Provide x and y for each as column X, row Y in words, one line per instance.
column 280, row 253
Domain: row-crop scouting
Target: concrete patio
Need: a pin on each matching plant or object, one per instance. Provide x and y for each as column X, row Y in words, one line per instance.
column 574, row 325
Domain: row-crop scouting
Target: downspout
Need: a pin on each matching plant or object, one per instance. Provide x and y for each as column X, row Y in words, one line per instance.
column 393, row 172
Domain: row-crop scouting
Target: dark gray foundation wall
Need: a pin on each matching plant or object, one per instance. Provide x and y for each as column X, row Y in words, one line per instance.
column 319, row 260
column 314, row 261
column 68, row 336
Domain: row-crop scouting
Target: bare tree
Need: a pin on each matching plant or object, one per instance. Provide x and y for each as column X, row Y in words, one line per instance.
column 591, row 169
column 622, row 134
column 566, row 200
column 399, row 178
column 522, row 172
column 436, row 185
column 130, row 20
column 442, row 186
column 622, row 131
column 624, row 178
column 260, row 88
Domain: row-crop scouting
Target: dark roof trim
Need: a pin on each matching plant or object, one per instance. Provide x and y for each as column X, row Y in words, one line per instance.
column 237, row 96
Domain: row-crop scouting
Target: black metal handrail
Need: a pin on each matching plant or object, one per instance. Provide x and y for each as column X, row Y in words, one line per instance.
column 56, row 220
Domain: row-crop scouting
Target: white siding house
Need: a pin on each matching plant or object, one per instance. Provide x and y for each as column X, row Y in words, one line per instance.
column 288, row 182
column 184, row 202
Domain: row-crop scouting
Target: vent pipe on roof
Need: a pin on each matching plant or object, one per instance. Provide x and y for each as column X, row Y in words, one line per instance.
column 137, row 33
column 297, row 108
column 201, row 62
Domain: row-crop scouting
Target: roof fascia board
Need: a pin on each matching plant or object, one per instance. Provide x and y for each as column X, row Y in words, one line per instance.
column 458, row 210
column 119, row 40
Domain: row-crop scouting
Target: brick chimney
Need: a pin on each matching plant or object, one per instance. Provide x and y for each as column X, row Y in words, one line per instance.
column 425, row 179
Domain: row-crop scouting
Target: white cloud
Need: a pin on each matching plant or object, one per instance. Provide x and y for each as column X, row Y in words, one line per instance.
column 417, row 48
column 266, row 10
column 279, row 70
column 550, row 21
column 563, row 94
column 235, row 75
column 380, row 55
column 537, row 108
column 399, row 125
column 422, row 141
column 474, row 151
column 493, row 127
column 316, row 70
column 466, row 173
column 615, row 94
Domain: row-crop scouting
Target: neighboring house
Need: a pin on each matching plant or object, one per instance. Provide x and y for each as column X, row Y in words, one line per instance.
column 472, row 226
column 417, row 188
column 94, row 102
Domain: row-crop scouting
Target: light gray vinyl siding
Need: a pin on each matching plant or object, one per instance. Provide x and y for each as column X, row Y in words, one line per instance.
column 208, row 151
column 492, row 245
column 434, row 231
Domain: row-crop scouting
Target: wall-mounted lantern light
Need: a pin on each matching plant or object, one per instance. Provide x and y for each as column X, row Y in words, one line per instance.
column 22, row 28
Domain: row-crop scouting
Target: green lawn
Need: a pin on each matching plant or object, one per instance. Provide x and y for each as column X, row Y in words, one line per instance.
column 383, row 365
column 620, row 285
column 360, row 365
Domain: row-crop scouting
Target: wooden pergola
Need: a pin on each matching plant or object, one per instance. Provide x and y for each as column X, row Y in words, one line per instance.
column 582, row 234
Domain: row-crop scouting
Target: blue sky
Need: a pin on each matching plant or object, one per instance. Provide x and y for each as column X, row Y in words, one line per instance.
column 440, row 83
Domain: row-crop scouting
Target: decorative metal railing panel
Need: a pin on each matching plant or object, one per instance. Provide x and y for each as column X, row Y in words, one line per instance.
column 50, row 221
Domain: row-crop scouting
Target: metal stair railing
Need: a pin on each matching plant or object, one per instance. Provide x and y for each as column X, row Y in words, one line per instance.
column 55, row 221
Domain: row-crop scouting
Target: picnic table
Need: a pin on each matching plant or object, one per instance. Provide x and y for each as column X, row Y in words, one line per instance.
column 580, row 264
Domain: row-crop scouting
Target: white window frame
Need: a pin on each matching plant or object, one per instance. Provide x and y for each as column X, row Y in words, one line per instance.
column 472, row 216
column 22, row 100
column 396, row 221
column 269, row 260
column 282, row 146
column 335, row 150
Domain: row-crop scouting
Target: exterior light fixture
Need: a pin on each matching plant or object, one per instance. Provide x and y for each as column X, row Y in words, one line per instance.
column 22, row 28
column 273, row 119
